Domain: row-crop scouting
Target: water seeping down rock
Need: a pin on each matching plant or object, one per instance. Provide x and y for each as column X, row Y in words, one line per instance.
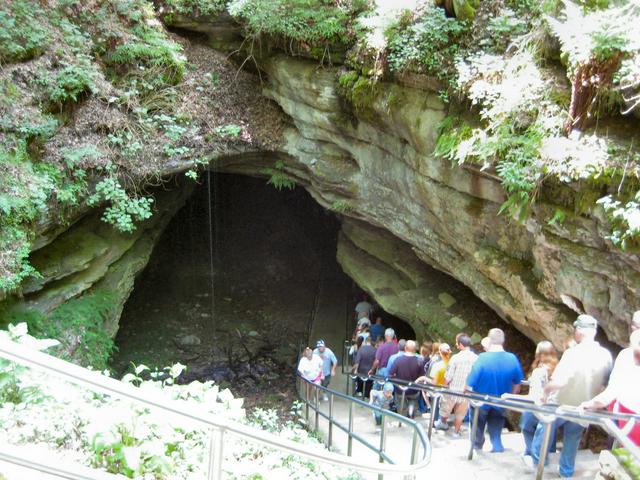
column 377, row 167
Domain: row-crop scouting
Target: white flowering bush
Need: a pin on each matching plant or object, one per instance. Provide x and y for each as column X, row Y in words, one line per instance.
column 123, row 437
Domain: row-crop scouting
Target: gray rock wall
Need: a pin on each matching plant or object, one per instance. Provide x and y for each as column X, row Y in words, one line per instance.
column 384, row 173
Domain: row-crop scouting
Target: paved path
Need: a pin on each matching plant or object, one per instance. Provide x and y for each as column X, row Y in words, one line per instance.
column 449, row 456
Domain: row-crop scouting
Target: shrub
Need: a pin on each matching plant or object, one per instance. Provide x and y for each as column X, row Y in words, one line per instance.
column 151, row 48
column 195, row 7
column 70, row 84
column 78, row 324
column 428, row 45
column 22, row 33
column 315, row 22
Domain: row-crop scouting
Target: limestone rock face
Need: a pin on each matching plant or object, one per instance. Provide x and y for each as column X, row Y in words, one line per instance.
column 381, row 170
column 93, row 255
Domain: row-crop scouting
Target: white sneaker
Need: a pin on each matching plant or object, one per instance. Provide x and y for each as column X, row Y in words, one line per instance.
column 440, row 425
column 325, row 398
column 528, row 463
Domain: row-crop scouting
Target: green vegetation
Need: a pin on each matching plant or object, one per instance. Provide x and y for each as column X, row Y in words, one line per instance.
column 22, row 33
column 118, row 437
column 193, row 7
column 315, row 26
column 123, row 210
column 341, row 206
column 426, row 44
column 78, row 325
column 69, row 84
column 150, row 48
column 278, row 178
column 361, row 91
column 228, row 131
column 631, row 464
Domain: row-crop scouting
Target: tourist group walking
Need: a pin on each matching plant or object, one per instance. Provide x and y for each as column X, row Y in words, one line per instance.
column 584, row 377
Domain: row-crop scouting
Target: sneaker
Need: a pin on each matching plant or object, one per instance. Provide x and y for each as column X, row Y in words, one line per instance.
column 457, row 434
column 440, row 425
column 528, row 463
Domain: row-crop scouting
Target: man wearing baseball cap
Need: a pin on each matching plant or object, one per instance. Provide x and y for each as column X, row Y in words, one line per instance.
column 580, row 375
column 329, row 364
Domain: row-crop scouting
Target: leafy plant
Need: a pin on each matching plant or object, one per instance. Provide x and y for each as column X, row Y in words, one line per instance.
column 230, row 130
column 341, row 206
column 428, row 44
column 151, row 48
column 77, row 325
column 195, row 7
column 313, row 21
column 278, row 178
column 23, row 34
column 625, row 220
column 70, row 84
column 123, row 210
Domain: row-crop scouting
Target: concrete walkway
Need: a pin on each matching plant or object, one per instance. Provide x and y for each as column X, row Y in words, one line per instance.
column 449, row 455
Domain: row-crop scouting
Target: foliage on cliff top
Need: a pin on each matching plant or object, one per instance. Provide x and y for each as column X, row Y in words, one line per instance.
column 317, row 26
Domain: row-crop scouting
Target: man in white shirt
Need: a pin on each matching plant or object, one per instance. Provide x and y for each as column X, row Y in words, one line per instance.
column 623, row 384
column 580, row 375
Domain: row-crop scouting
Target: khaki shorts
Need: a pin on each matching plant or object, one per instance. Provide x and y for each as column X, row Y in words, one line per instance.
column 456, row 405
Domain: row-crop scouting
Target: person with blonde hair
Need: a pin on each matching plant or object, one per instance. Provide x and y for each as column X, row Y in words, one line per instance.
column 544, row 363
column 439, row 368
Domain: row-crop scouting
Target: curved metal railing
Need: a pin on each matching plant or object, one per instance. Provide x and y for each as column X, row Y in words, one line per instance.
column 546, row 413
column 218, row 427
column 420, row 441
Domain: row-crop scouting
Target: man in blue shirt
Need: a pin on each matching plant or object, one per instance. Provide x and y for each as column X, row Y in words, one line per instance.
column 494, row 373
column 329, row 364
column 377, row 331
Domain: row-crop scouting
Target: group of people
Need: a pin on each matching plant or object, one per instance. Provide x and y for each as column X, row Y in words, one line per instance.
column 583, row 377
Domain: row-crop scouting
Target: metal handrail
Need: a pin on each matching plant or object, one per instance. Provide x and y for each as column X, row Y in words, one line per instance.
column 219, row 427
column 546, row 413
column 420, row 438
column 25, row 458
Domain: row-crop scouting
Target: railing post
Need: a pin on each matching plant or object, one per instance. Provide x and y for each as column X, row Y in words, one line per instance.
column 544, row 448
column 474, row 428
column 317, row 408
column 383, row 441
column 414, row 453
column 350, row 439
column 435, row 403
column 330, row 439
column 306, row 400
column 215, row 454
column 404, row 393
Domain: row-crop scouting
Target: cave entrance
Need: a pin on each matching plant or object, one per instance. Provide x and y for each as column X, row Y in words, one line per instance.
column 242, row 276
column 229, row 291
